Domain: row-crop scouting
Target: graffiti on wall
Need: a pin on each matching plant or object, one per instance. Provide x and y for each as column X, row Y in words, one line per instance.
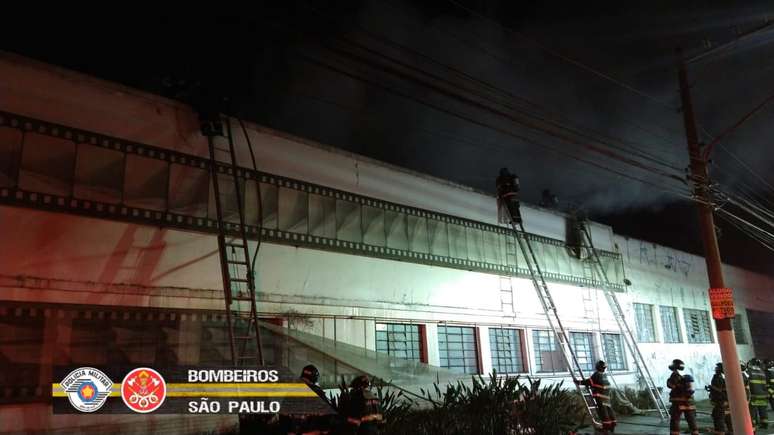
column 675, row 261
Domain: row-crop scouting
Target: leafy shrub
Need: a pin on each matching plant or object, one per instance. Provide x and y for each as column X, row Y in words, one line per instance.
column 493, row 406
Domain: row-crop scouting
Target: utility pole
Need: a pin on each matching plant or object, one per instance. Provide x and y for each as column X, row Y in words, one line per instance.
column 737, row 398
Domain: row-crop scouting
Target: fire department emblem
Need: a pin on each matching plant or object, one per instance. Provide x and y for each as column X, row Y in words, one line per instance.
column 87, row 388
column 143, row 390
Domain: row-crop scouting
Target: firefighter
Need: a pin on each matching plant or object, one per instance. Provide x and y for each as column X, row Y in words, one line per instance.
column 363, row 413
column 759, row 393
column 600, row 389
column 770, row 380
column 312, row 424
column 721, row 414
column 508, row 194
column 681, row 398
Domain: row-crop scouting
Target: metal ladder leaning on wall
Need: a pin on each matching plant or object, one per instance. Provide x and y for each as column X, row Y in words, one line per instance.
column 618, row 314
column 562, row 337
column 235, row 266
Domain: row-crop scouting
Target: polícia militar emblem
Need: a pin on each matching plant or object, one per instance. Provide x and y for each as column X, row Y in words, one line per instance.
column 87, row 388
column 143, row 390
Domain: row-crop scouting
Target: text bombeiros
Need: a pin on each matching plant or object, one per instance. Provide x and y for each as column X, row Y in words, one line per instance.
column 232, row 375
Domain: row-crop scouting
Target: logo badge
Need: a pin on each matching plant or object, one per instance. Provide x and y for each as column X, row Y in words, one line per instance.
column 87, row 388
column 143, row 390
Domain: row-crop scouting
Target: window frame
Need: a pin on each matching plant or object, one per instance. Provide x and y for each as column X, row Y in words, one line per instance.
column 624, row 361
column 592, row 352
column 639, row 326
column 662, row 309
column 536, row 348
column 476, row 350
column 421, row 346
column 520, row 347
column 704, row 319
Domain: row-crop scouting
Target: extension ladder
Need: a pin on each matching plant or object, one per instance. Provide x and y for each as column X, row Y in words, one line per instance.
column 235, row 261
column 618, row 314
column 562, row 337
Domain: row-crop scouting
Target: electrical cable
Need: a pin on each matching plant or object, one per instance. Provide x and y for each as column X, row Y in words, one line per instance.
column 449, row 112
column 563, row 57
column 593, row 147
column 558, row 124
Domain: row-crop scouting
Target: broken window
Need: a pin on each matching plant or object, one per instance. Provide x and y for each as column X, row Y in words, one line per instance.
column 697, row 326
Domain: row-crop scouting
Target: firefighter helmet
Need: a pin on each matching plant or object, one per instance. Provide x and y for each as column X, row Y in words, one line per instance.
column 687, row 378
column 719, row 367
column 310, row 374
column 769, row 363
column 601, row 365
column 360, row 383
column 755, row 362
column 677, row 364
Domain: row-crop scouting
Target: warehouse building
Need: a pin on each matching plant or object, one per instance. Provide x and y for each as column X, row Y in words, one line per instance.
column 110, row 257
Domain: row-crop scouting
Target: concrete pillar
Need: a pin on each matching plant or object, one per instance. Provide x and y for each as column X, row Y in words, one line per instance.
column 484, row 350
column 431, row 334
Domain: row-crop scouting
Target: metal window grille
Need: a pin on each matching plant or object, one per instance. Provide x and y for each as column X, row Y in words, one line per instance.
column 697, row 326
column 612, row 346
column 583, row 346
column 741, row 337
column 458, row 349
column 548, row 356
column 644, row 320
column 506, row 350
column 669, row 324
column 399, row 340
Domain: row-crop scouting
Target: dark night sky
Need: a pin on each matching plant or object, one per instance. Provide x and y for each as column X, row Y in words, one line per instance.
column 268, row 61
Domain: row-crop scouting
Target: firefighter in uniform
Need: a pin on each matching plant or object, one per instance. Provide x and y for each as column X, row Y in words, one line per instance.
column 721, row 414
column 600, row 389
column 681, row 398
column 759, row 393
column 770, row 380
column 364, row 413
column 312, row 424
column 508, row 194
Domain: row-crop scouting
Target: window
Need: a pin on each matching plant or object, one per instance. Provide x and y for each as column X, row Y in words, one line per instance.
column 506, row 350
column 741, row 337
column 612, row 347
column 583, row 347
column 399, row 340
column 458, row 348
column 548, row 356
column 697, row 326
column 643, row 316
column 669, row 324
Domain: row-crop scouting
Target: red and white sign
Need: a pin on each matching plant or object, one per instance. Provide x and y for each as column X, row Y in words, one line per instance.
column 143, row 390
column 722, row 303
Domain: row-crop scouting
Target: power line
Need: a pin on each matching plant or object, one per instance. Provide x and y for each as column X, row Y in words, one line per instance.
column 560, row 123
column 507, row 60
column 563, row 57
column 472, row 102
column 447, row 111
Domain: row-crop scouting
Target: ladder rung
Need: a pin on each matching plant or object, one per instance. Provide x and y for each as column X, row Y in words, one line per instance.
column 239, row 280
column 235, row 245
column 245, row 337
column 243, row 263
column 241, row 298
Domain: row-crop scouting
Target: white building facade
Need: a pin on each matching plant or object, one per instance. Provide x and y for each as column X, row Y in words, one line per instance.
column 110, row 255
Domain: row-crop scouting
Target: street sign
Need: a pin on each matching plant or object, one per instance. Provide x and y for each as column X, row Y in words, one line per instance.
column 722, row 302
